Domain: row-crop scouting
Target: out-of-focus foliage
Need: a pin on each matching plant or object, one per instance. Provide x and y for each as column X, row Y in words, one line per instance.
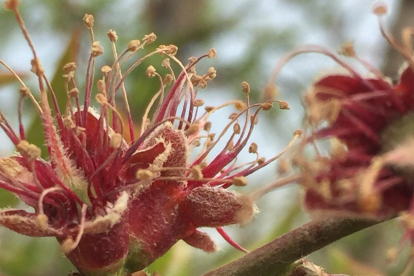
column 249, row 37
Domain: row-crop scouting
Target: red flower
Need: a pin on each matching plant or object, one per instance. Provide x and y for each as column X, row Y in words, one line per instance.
column 369, row 171
column 116, row 207
column 365, row 115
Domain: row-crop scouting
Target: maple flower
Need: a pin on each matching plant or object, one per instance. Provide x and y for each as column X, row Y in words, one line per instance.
column 369, row 120
column 115, row 206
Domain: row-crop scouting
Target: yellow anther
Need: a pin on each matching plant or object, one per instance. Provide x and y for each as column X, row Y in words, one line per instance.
column 236, row 128
column 112, row 35
column 69, row 67
column 192, row 129
column 212, row 53
column 133, row 45
column 116, row 140
column 149, row 38
column 89, row 20
column 42, row 221
column 198, row 102
column 151, row 71
column 245, row 87
column 196, row 172
column 97, row 49
column 240, row 181
column 239, row 105
column 253, row 148
column 144, row 174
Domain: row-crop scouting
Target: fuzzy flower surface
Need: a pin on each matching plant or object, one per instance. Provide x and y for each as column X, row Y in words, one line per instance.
column 116, row 206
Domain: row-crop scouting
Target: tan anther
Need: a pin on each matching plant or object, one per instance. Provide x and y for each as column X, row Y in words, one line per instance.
column 133, row 45
column 68, row 123
column 211, row 72
column 324, row 189
column 67, row 245
column 203, row 84
column 196, row 79
column 270, row 92
column 11, row 4
column 211, row 136
column 150, row 73
column 37, row 67
column 145, row 174
column 166, row 63
column 192, row 59
column 69, row 67
column 192, row 129
column 209, row 108
column 239, row 181
column 207, row 126
column 97, row 49
column 28, row 149
column 101, row 98
column 261, row 160
column 88, row 19
column 239, row 105
column 112, row 35
column 106, row 69
column 266, row 106
column 236, row 128
column 116, row 140
column 212, row 53
column 24, row 91
column 198, row 102
column 74, row 92
column 80, row 130
column 101, row 86
column 203, row 165
column 254, row 120
column 233, row 116
column 42, row 221
column 253, row 148
column 196, row 143
column 332, row 110
column 168, row 49
column 298, row 132
column 347, row 49
column 283, row 105
column 196, row 172
column 168, row 79
column 69, row 75
column 380, row 8
column 370, row 203
column 149, row 38
column 245, row 87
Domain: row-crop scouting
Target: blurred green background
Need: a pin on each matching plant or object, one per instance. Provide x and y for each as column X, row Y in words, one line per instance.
column 249, row 37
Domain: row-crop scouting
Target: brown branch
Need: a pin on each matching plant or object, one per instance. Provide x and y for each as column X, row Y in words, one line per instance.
column 276, row 257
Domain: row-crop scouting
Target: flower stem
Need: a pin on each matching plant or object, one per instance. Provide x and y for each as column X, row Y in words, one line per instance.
column 277, row 257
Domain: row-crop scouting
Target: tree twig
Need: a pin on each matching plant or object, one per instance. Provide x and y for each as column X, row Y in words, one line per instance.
column 276, row 257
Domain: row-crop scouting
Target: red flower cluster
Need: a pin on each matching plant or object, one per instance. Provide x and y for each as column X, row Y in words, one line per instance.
column 116, row 207
column 369, row 171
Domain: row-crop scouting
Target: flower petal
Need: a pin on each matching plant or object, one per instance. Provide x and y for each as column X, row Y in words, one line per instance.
column 201, row 241
column 214, row 207
column 25, row 223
